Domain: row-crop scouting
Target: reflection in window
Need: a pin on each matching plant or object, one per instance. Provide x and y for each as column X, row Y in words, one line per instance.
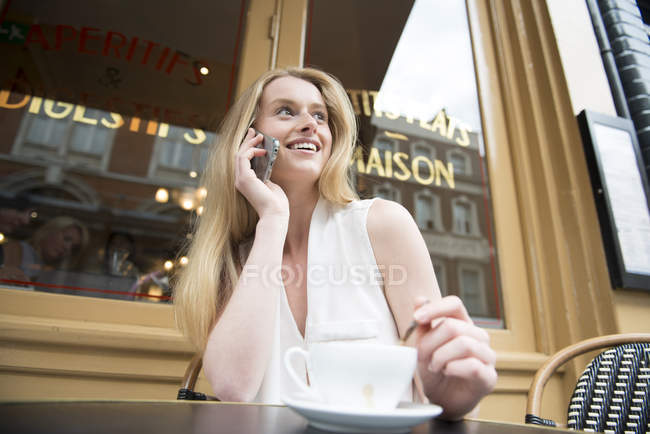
column 176, row 157
column 463, row 216
column 387, row 191
column 439, row 269
column 427, row 211
column 471, row 289
column 384, row 144
column 423, row 149
column 460, row 160
column 65, row 141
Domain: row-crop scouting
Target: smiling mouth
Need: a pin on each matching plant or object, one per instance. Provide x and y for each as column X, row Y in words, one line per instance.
column 304, row 146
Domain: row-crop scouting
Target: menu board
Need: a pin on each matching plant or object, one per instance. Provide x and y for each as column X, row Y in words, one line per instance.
column 621, row 192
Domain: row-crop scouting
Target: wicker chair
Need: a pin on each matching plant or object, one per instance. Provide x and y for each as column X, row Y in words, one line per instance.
column 186, row 392
column 613, row 393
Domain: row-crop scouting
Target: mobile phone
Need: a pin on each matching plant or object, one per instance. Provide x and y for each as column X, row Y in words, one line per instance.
column 264, row 164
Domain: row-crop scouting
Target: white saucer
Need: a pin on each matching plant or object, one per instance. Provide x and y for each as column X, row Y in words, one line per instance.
column 341, row 419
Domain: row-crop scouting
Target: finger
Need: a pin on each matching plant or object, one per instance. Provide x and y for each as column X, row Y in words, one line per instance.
column 450, row 306
column 482, row 376
column 445, row 330
column 244, row 157
column 251, row 140
column 420, row 301
column 462, row 347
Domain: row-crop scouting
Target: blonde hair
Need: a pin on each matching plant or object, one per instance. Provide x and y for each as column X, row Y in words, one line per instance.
column 55, row 225
column 205, row 285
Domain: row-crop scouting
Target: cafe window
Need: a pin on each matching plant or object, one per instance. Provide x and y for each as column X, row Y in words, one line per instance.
column 408, row 69
column 106, row 118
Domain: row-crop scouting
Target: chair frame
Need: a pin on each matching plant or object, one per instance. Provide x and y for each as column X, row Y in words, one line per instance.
column 186, row 392
column 558, row 359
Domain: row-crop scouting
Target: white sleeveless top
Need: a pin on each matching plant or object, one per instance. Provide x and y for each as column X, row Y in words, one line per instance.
column 345, row 299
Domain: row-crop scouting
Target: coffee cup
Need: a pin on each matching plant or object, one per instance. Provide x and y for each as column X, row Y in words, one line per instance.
column 355, row 375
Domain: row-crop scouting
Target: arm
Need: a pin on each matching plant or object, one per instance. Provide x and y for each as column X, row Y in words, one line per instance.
column 239, row 345
column 455, row 361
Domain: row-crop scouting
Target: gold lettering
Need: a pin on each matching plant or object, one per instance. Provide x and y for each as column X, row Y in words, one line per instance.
column 374, row 162
column 78, row 116
column 447, row 173
column 163, row 131
column 118, row 121
column 135, row 124
column 49, row 105
column 373, row 94
column 358, row 157
column 391, row 115
column 35, row 106
column 463, row 140
column 409, row 119
column 388, row 160
column 440, row 123
column 451, row 127
column 365, row 101
column 354, row 97
column 424, row 125
column 4, row 100
column 198, row 138
column 406, row 173
column 415, row 167
column 152, row 128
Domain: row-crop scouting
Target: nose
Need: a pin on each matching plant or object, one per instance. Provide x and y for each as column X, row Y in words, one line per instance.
column 308, row 124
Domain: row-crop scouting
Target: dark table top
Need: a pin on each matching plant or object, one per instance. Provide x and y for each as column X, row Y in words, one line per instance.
column 175, row 417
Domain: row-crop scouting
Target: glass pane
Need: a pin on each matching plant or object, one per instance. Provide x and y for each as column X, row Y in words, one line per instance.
column 409, row 71
column 106, row 111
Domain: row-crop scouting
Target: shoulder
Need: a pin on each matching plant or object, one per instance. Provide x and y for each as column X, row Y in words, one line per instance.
column 387, row 217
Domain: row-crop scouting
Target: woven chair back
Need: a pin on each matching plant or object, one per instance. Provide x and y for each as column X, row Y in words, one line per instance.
column 613, row 393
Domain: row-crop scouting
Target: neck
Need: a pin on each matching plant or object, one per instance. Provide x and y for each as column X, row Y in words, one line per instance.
column 302, row 203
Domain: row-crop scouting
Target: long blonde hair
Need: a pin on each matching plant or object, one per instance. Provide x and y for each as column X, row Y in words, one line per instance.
column 205, row 285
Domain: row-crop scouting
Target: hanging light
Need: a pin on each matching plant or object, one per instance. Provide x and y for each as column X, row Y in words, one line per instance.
column 168, row 265
column 162, row 195
column 183, row 261
column 2, row 238
column 193, row 174
column 202, row 192
column 204, row 70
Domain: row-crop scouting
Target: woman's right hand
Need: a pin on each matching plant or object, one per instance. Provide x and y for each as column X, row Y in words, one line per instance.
column 267, row 198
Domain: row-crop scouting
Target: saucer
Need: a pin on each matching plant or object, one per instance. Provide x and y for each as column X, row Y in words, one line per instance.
column 340, row 419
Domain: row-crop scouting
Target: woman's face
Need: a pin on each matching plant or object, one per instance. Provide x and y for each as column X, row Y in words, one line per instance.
column 60, row 244
column 293, row 111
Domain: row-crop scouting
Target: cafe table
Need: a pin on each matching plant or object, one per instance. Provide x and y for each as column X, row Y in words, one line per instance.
column 187, row 417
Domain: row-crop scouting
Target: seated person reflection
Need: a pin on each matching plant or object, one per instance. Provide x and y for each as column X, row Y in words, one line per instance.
column 308, row 222
column 55, row 245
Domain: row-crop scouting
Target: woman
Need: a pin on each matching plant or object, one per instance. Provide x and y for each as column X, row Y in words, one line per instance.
column 57, row 244
column 308, row 222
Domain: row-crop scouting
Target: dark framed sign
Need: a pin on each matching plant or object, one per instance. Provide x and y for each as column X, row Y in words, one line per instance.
column 622, row 196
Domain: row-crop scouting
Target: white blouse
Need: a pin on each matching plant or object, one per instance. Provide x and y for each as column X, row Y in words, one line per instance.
column 345, row 299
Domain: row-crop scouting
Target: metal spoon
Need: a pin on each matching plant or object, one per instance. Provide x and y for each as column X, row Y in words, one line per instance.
column 409, row 331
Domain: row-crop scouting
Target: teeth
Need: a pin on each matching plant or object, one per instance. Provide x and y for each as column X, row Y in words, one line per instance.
column 309, row 146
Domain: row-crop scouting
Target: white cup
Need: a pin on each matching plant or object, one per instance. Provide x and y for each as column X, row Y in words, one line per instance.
column 355, row 375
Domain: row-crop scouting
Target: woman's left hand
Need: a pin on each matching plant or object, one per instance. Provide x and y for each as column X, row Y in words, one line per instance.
column 455, row 361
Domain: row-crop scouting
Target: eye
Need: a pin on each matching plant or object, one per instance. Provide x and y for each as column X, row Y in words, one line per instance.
column 321, row 116
column 285, row 111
